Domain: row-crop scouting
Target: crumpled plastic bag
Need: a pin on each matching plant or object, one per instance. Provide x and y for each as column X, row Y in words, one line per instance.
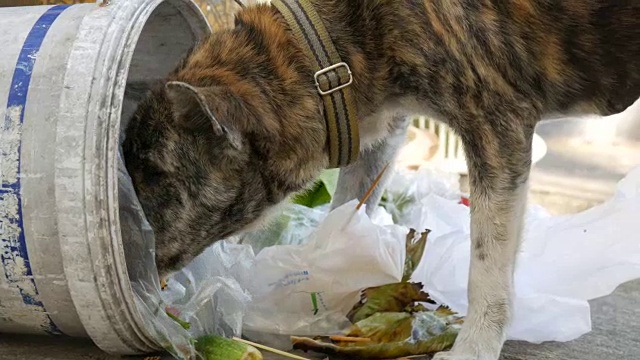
column 564, row 260
column 207, row 293
column 308, row 289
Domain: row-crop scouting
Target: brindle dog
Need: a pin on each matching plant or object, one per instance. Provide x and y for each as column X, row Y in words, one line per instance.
column 239, row 126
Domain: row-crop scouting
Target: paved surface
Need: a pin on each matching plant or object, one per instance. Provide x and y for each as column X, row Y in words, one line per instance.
column 616, row 325
column 575, row 175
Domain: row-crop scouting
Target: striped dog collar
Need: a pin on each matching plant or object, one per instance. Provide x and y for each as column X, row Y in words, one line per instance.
column 333, row 79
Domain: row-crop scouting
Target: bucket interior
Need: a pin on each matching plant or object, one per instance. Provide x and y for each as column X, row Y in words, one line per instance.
column 165, row 40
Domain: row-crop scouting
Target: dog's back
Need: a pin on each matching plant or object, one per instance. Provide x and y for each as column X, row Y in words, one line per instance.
column 588, row 49
column 564, row 55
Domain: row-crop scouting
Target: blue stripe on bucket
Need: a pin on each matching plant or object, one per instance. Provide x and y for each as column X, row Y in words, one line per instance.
column 13, row 251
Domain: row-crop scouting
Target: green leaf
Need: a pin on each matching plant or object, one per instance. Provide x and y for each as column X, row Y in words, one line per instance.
column 330, row 180
column 316, row 196
column 321, row 192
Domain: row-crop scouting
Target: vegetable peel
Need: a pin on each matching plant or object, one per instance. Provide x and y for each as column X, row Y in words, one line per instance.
column 220, row 348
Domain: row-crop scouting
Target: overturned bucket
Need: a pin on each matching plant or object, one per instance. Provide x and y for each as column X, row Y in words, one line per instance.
column 63, row 74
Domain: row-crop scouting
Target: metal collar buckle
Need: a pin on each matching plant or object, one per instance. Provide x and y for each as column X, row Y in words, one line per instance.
column 332, row 68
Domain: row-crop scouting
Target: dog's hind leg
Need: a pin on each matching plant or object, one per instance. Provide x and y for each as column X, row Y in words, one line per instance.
column 498, row 151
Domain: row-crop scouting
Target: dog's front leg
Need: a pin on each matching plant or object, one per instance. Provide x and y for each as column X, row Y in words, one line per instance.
column 356, row 179
column 499, row 160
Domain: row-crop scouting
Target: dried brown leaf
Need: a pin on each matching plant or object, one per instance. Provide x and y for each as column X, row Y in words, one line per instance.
column 392, row 350
column 415, row 250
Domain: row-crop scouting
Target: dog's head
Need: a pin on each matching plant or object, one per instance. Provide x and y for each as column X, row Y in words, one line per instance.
column 197, row 179
column 235, row 129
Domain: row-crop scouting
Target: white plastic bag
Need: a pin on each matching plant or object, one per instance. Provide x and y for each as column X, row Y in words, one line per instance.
column 308, row 289
column 564, row 261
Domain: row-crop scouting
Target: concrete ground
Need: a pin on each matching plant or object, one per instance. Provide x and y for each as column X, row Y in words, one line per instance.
column 573, row 176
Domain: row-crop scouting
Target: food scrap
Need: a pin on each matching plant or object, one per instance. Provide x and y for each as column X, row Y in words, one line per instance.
column 220, row 348
column 171, row 313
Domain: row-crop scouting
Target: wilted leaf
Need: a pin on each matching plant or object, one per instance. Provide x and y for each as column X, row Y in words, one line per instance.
column 391, row 350
column 415, row 308
column 387, row 298
column 384, row 327
column 415, row 251
column 444, row 311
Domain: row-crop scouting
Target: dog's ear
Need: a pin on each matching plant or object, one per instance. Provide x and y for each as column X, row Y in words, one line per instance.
column 197, row 107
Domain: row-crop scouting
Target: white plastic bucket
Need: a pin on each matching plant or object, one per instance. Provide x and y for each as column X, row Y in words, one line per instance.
column 63, row 74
